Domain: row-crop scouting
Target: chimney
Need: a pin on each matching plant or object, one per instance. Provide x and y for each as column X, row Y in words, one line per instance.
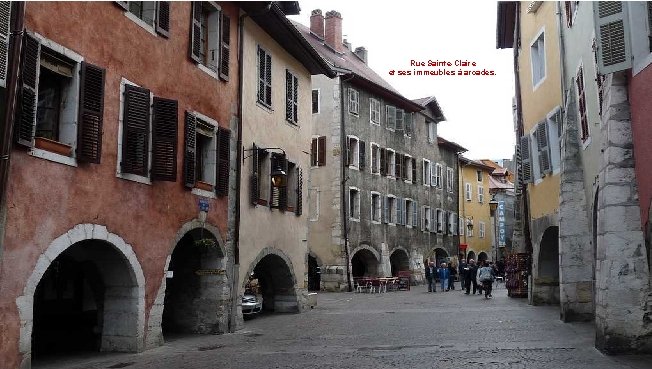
column 317, row 23
column 361, row 52
column 333, row 31
column 347, row 44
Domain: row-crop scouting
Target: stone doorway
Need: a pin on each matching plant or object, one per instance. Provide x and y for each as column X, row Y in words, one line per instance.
column 195, row 280
column 314, row 274
column 88, row 299
column 399, row 261
column 276, row 284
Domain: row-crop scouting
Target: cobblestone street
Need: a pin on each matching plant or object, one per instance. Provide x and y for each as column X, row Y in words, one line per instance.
column 394, row 330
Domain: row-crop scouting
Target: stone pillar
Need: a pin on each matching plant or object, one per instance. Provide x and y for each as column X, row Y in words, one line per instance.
column 623, row 316
column 385, row 266
column 575, row 248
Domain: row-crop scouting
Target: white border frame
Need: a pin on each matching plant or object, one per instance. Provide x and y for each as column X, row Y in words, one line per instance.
column 535, row 86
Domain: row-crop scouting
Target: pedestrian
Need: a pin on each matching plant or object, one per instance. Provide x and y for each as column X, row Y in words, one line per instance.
column 430, row 277
column 481, row 264
column 452, row 272
column 487, row 276
column 464, row 269
column 443, row 276
column 469, row 277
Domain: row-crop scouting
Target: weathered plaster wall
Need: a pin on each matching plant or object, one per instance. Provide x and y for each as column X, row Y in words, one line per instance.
column 46, row 199
column 476, row 211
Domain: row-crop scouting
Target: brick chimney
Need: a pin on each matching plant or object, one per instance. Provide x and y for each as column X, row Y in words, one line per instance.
column 333, row 31
column 361, row 52
column 317, row 23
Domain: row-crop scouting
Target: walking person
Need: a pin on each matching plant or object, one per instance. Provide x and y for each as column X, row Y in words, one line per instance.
column 469, row 277
column 487, row 276
column 452, row 272
column 481, row 264
column 430, row 277
column 443, row 276
column 464, row 269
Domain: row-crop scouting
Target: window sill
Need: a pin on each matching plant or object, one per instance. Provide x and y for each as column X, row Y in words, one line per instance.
column 354, row 219
column 354, row 114
column 375, row 222
column 264, row 107
column 261, row 202
column 203, row 193
column 134, row 178
column 292, row 124
column 391, row 224
column 586, row 143
column 208, row 71
column 54, row 157
column 354, row 167
column 374, row 123
column 141, row 23
column 538, row 84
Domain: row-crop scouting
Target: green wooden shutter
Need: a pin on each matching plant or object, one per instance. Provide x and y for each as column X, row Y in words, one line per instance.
column 526, row 159
column 613, row 36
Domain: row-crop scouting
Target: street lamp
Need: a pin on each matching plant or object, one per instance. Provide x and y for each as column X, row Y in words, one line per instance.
column 493, row 205
column 279, row 175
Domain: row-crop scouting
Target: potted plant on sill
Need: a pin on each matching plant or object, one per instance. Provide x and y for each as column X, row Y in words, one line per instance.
column 204, row 186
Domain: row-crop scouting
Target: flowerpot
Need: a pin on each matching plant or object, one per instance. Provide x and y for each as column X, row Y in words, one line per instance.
column 204, row 186
column 52, row 146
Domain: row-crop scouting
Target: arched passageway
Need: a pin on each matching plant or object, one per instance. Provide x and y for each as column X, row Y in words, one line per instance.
column 482, row 256
column 470, row 255
column 399, row 262
column 276, row 284
column 441, row 256
column 546, row 284
column 364, row 263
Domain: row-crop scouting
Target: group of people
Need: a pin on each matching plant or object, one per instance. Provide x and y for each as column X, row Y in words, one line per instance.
column 480, row 276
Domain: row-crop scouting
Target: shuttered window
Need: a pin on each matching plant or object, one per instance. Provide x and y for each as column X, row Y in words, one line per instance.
column 264, row 77
column 315, row 101
column 581, row 106
column 400, row 120
column 354, row 101
column 362, row 157
column 390, row 117
column 543, row 148
column 450, row 179
column 223, row 161
column 426, row 172
column 526, row 160
column 291, row 97
column 409, row 128
column 468, row 191
column 375, row 159
column 135, row 131
column 5, row 19
column 374, row 109
column 612, row 33
column 225, row 46
column 278, row 195
column 154, row 14
column 164, row 139
column 210, row 38
column 318, row 151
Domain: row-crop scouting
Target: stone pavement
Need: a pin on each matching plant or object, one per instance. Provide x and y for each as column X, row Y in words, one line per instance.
column 402, row 329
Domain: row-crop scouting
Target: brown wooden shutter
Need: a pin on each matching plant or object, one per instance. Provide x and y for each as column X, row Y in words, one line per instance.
column 398, row 158
column 321, row 152
column 414, row 171
column 135, row 132
column 164, row 139
column 383, row 162
column 362, row 156
column 163, row 18
column 189, row 159
column 313, row 152
column 298, row 209
column 91, row 113
column 223, row 161
column 195, row 31
column 27, row 112
column 254, row 181
column 225, row 47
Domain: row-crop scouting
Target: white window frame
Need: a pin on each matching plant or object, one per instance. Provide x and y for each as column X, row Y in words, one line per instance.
column 374, row 111
column 481, row 233
column 391, row 163
column 355, row 152
column 409, row 212
column 374, row 158
column 217, row 37
column 151, row 28
column 426, row 172
column 431, row 131
column 373, row 208
column 354, row 101
column 440, row 221
column 478, row 175
column 356, row 205
column 426, row 220
column 534, row 63
column 450, row 178
column 391, row 209
column 408, row 158
column 438, row 176
column 480, row 193
column 468, row 191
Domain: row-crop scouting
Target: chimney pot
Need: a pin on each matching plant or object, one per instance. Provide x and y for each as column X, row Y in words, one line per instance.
column 333, row 31
column 361, row 53
column 317, row 23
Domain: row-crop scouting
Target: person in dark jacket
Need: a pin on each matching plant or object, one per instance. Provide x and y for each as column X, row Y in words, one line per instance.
column 452, row 272
column 470, row 277
column 431, row 272
column 463, row 269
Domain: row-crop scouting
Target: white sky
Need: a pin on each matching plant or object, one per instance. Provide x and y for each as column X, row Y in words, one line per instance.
column 478, row 108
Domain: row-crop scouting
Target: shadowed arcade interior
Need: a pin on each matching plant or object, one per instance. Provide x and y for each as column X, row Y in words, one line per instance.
column 277, row 285
column 364, row 264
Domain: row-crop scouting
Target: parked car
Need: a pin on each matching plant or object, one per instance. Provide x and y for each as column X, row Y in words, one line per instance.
column 251, row 304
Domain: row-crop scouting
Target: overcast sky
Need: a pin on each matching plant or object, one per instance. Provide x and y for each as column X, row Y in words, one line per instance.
column 478, row 109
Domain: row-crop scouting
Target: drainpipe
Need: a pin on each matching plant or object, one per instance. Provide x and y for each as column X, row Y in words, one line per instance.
column 345, row 224
column 561, row 55
column 6, row 131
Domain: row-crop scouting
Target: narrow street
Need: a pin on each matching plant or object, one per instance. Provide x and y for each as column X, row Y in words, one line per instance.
column 394, row 330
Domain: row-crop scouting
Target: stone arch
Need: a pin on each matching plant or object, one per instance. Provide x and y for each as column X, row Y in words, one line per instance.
column 365, row 260
column 482, row 256
column 470, row 254
column 440, row 255
column 545, row 289
column 399, row 260
column 277, row 281
column 126, row 337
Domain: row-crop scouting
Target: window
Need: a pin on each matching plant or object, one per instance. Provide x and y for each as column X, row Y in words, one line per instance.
column 313, row 196
column 400, row 211
column 291, row 97
column 415, row 214
column 478, row 174
column 391, row 163
column 374, row 108
column 354, row 101
column 409, row 124
column 210, row 38
column 440, row 220
column 409, row 213
column 427, row 219
column 408, row 168
column 599, row 78
column 450, row 179
column 426, row 172
column 375, row 159
column 390, row 117
column 469, row 228
column 294, row 188
column 452, row 224
column 154, row 16
column 438, row 176
column 355, row 153
column 318, row 151
column 581, row 105
column 260, row 183
column 481, row 233
column 390, row 209
column 354, row 203
column 480, row 194
column 400, row 121
column 264, row 77
column 538, row 59
column 206, row 157
column 432, row 131
column 315, row 102
column 468, row 191
column 61, row 103
column 376, row 204
column 571, row 8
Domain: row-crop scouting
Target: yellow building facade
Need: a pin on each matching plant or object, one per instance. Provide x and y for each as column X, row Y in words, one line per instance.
column 475, row 227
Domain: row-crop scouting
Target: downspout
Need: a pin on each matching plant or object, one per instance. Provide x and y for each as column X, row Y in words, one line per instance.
column 345, row 224
column 561, row 56
column 15, row 42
